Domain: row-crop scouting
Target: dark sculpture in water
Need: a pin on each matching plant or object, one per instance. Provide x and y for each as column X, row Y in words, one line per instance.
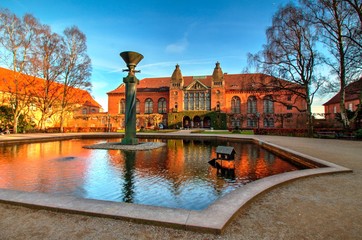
column 131, row 59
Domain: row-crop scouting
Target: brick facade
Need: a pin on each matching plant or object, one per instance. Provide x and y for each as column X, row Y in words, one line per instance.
column 219, row 100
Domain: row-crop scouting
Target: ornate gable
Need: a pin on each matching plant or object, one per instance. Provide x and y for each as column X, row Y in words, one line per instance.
column 197, row 86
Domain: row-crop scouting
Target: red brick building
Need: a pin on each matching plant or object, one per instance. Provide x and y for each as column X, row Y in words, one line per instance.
column 352, row 100
column 219, row 100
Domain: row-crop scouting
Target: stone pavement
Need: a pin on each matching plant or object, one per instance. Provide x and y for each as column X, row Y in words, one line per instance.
column 318, row 207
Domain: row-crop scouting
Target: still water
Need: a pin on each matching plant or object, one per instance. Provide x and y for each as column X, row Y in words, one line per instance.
column 176, row 176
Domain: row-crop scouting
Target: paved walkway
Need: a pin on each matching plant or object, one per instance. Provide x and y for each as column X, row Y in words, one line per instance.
column 321, row 207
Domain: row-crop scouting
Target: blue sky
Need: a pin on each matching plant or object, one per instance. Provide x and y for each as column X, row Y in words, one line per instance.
column 194, row 34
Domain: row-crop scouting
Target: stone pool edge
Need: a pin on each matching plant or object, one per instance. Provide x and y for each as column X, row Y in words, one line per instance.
column 214, row 219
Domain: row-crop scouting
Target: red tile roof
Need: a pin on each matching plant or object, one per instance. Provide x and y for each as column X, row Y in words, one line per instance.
column 32, row 85
column 352, row 93
column 232, row 82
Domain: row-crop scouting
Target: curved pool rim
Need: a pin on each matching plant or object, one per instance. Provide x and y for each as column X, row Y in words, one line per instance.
column 213, row 219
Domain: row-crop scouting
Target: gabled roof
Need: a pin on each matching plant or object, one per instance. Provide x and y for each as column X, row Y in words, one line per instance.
column 225, row 150
column 28, row 85
column 241, row 82
column 352, row 93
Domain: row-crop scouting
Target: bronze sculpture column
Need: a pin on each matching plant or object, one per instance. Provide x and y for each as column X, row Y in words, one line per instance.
column 131, row 59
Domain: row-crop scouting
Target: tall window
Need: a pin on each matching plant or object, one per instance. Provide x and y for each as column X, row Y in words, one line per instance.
column 192, row 100
column 197, row 100
column 148, row 106
column 186, row 101
column 252, row 104
column 122, row 106
column 202, row 101
column 268, row 105
column 235, row 104
column 208, row 101
column 162, row 108
column 137, row 106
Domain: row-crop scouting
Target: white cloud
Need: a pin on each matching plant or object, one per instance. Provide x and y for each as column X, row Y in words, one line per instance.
column 179, row 46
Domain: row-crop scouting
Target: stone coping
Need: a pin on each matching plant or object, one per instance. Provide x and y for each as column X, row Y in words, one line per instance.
column 143, row 146
column 213, row 219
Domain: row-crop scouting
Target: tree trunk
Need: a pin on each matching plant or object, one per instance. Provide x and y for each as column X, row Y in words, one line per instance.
column 310, row 119
column 61, row 121
column 41, row 124
column 344, row 117
column 15, row 126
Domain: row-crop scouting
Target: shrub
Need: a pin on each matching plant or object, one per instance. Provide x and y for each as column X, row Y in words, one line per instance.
column 281, row 132
column 359, row 134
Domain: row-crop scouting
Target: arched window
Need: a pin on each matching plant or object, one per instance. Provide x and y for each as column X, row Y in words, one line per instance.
column 137, row 106
column 148, row 106
column 235, row 104
column 252, row 104
column 162, row 108
column 268, row 122
column 218, row 106
column 84, row 111
column 122, row 106
column 268, row 105
column 252, row 122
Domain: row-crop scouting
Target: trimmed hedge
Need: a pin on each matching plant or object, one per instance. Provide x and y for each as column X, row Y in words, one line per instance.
column 359, row 134
column 293, row 132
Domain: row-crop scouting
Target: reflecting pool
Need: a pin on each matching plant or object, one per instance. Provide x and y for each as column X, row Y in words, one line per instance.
column 176, row 176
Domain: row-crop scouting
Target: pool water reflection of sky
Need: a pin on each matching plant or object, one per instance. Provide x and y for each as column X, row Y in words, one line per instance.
column 176, row 176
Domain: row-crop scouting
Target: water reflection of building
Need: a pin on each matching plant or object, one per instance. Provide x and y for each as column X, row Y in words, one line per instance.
column 180, row 158
column 255, row 162
column 43, row 167
column 176, row 172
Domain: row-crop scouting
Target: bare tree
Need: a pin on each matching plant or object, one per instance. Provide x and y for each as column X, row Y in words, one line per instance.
column 340, row 24
column 76, row 69
column 290, row 53
column 357, row 7
column 47, row 65
column 16, row 38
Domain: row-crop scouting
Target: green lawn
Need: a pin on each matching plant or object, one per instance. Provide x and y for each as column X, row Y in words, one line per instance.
column 246, row 132
column 158, row 131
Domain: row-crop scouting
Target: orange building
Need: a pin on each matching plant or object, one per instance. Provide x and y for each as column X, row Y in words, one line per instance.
column 217, row 101
column 28, row 92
